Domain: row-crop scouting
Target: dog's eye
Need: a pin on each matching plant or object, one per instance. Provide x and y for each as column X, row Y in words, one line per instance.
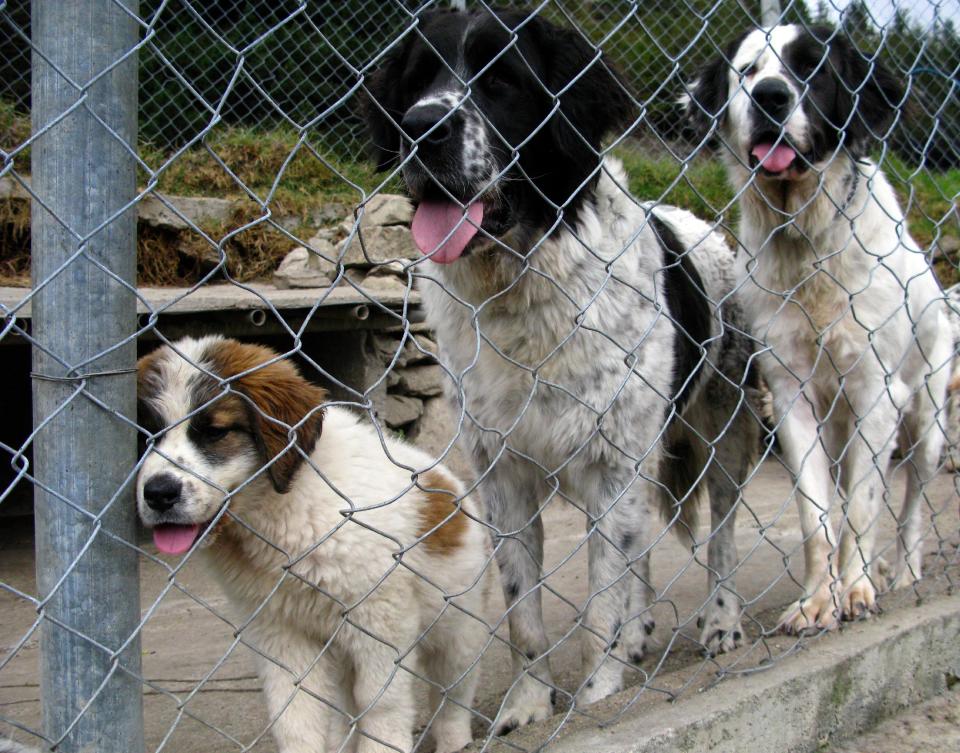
column 213, row 433
column 493, row 81
column 747, row 70
column 802, row 69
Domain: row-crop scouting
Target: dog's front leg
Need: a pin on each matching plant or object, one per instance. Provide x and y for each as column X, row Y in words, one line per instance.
column 807, row 460
column 512, row 495
column 382, row 687
column 865, row 463
column 621, row 515
column 924, row 438
column 302, row 685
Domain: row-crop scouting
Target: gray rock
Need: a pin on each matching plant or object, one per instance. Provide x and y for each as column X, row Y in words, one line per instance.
column 382, row 244
column 196, row 209
column 302, row 268
column 11, row 189
column 327, row 213
column 385, row 347
column 397, row 411
column 331, row 234
column 412, row 355
column 383, row 210
column 207, row 255
column 388, row 269
column 948, row 245
column 388, row 209
column 421, row 381
column 436, row 429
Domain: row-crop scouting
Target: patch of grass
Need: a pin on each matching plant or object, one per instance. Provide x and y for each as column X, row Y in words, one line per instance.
column 294, row 175
column 929, row 198
column 701, row 186
column 14, row 130
column 297, row 177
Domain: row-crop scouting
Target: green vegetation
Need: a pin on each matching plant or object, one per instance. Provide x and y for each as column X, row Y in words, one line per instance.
column 299, row 173
column 292, row 173
column 701, row 187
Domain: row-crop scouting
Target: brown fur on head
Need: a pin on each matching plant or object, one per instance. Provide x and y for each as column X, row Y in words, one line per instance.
column 279, row 398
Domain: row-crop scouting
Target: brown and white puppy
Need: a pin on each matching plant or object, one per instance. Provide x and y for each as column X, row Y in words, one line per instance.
column 343, row 550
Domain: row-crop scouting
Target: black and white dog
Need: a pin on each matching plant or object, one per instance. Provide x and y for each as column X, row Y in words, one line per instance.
column 580, row 322
column 853, row 319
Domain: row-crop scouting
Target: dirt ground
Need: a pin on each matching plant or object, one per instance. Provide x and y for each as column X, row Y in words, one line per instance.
column 202, row 689
column 931, row 727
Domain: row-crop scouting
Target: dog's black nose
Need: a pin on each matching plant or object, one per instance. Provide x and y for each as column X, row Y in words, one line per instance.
column 774, row 97
column 162, row 492
column 420, row 119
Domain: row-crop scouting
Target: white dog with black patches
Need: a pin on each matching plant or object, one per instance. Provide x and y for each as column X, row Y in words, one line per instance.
column 857, row 348
column 344, row 551
column 581, row 322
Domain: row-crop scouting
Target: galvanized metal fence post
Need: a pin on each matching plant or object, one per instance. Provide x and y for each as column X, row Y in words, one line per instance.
column 84, row 319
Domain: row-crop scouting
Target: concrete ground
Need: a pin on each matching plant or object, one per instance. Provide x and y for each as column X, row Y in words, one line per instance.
column 203, row 690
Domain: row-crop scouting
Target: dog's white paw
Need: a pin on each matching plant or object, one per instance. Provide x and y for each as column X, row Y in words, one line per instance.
column 907, row 572
column 451, row 740
column 720, row 628
column 530, row 700
column 606, row 680
column 859, row 600
column 819, row 611
column 636, row 638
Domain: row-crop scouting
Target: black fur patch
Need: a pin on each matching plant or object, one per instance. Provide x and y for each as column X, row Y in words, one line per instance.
column 547, row 90
column 687, row 307
column 847, row 91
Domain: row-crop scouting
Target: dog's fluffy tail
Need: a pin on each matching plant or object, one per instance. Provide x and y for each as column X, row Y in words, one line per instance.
column 682, row 479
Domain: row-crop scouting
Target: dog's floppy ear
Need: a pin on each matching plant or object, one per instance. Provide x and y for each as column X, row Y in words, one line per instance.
column 149, row 384
column 380, row 109
column 594, row 99
column 381, row 106
column 705, row 99
column 868, row 95
column 278, row 398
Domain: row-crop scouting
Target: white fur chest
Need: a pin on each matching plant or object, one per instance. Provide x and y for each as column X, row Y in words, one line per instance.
column 835, row 297
column 563, row 345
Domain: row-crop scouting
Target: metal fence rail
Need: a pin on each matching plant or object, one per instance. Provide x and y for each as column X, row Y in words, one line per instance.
column 114, row 113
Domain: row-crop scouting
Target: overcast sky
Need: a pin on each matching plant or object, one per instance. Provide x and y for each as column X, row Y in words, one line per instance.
column 921, row 11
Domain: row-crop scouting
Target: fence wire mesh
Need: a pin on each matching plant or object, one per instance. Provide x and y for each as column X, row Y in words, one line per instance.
column 412, row 473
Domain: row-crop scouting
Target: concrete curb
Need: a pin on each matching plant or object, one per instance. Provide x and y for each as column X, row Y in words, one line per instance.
column 842, row 685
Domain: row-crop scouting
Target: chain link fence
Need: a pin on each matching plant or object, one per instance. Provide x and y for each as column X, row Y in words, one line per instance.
column 485, row 517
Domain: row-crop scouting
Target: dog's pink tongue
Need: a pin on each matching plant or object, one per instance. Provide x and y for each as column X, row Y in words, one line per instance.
column 435, row 220
column 175, row 539
column 774, row 158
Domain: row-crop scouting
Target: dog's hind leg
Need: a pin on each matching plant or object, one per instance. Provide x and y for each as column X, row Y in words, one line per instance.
column 728, row 470
column 734, row 433
column 454, row 647
column 922, row 449
column 512, row 495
